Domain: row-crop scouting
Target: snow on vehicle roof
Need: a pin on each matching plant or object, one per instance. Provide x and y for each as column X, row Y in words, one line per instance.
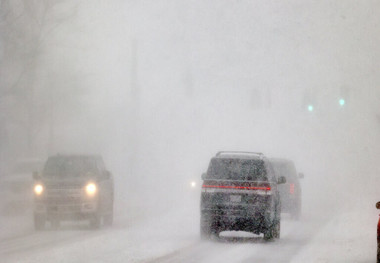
column 239, row 155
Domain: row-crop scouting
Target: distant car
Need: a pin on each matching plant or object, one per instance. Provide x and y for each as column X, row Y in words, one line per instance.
column 378, row 235
column 290, row 192
column 240, row 192
column 15, row 186
column 73, row 187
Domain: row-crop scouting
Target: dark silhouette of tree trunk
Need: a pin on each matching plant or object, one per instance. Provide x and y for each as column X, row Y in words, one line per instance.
column 25, row 25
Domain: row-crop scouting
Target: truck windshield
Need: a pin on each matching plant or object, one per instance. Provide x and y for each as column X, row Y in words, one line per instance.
column 70, row 166
column 237, row 169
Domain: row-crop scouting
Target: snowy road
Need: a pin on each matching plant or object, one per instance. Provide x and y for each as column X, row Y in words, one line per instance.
column 243, row 247
column 343, row 236
column 143, row 241
column 173, row 237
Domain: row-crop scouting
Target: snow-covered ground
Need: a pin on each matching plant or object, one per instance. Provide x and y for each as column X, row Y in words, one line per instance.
column 348, row 237
column 345, row 236
column 136, row 236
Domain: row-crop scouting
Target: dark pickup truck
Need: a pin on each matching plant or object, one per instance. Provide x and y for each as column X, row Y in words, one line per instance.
column 73, row 187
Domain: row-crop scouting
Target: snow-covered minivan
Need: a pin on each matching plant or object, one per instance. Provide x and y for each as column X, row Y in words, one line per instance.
column 240, row 192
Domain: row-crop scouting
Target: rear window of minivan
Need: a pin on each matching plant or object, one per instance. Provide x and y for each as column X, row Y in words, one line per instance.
column 236, row 169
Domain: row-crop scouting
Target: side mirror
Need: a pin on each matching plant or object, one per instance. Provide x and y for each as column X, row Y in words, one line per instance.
column 203, row 176
column 301, row 175
column 378, row 205
column 36, row 175
column 281, row 180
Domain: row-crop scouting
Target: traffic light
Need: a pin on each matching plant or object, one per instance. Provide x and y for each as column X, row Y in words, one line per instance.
column 344, row 95
column 309, row 101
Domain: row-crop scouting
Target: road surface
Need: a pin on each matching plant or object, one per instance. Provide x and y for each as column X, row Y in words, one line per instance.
column 173, row 236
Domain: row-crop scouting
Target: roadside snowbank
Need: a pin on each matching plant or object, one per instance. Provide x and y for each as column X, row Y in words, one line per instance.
column 349, row 237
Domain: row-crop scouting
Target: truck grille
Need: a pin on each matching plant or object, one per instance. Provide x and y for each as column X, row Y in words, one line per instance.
column 64, row 209
column 61, row 196
column 63, row 185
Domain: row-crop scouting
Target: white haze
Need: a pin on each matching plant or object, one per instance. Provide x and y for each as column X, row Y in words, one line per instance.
column 158, row 87
column 168, row 83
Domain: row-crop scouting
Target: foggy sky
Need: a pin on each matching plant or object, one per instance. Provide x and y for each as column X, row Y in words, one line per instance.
column 158, row 87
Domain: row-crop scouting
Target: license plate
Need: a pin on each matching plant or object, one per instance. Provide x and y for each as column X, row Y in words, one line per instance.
column 235, row 198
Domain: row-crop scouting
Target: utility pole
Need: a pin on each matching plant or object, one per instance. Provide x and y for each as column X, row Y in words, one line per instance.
column 51, row 142
column 134, row 111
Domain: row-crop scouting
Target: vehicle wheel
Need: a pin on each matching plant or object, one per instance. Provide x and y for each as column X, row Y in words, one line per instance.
column 275, row 226
column 296, row 213
column 269, row 233
column 55, row 224
column 205, row 229
column 108, row 219
column 273, row 230
column 205, row 232
column 277, row 229
column 95, row 221
column 39, row 222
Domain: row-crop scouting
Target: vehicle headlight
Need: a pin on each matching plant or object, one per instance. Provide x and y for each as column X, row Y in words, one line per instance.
column 91, row 189
column 193, row 184
column 38, row 189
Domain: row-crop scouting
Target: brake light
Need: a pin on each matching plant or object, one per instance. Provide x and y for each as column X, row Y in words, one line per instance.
column 291, row 188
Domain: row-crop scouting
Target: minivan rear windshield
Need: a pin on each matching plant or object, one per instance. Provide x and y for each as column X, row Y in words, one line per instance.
column 236, row 169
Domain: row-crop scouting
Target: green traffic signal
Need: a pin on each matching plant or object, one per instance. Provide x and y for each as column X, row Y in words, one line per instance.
column 310, row 108
column 342, row 102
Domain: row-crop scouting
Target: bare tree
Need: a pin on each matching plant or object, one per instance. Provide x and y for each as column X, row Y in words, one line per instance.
column 25, row 28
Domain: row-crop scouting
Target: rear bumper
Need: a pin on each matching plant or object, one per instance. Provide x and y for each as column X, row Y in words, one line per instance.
column 235, row 213
column 252, row 221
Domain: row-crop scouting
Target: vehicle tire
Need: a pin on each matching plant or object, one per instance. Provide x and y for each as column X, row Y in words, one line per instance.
column 205, row 233
column 39, row 222
column 205, row 228
column 273, row 230
column 108, row 219
column 277, row 229
column 276, row 224
column 268, row 234
column 55, row 224
column 95, row 221
column 296, row 213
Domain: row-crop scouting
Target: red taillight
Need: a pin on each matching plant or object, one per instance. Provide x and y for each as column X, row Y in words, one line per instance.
column 291, row 188
column 266, row 188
